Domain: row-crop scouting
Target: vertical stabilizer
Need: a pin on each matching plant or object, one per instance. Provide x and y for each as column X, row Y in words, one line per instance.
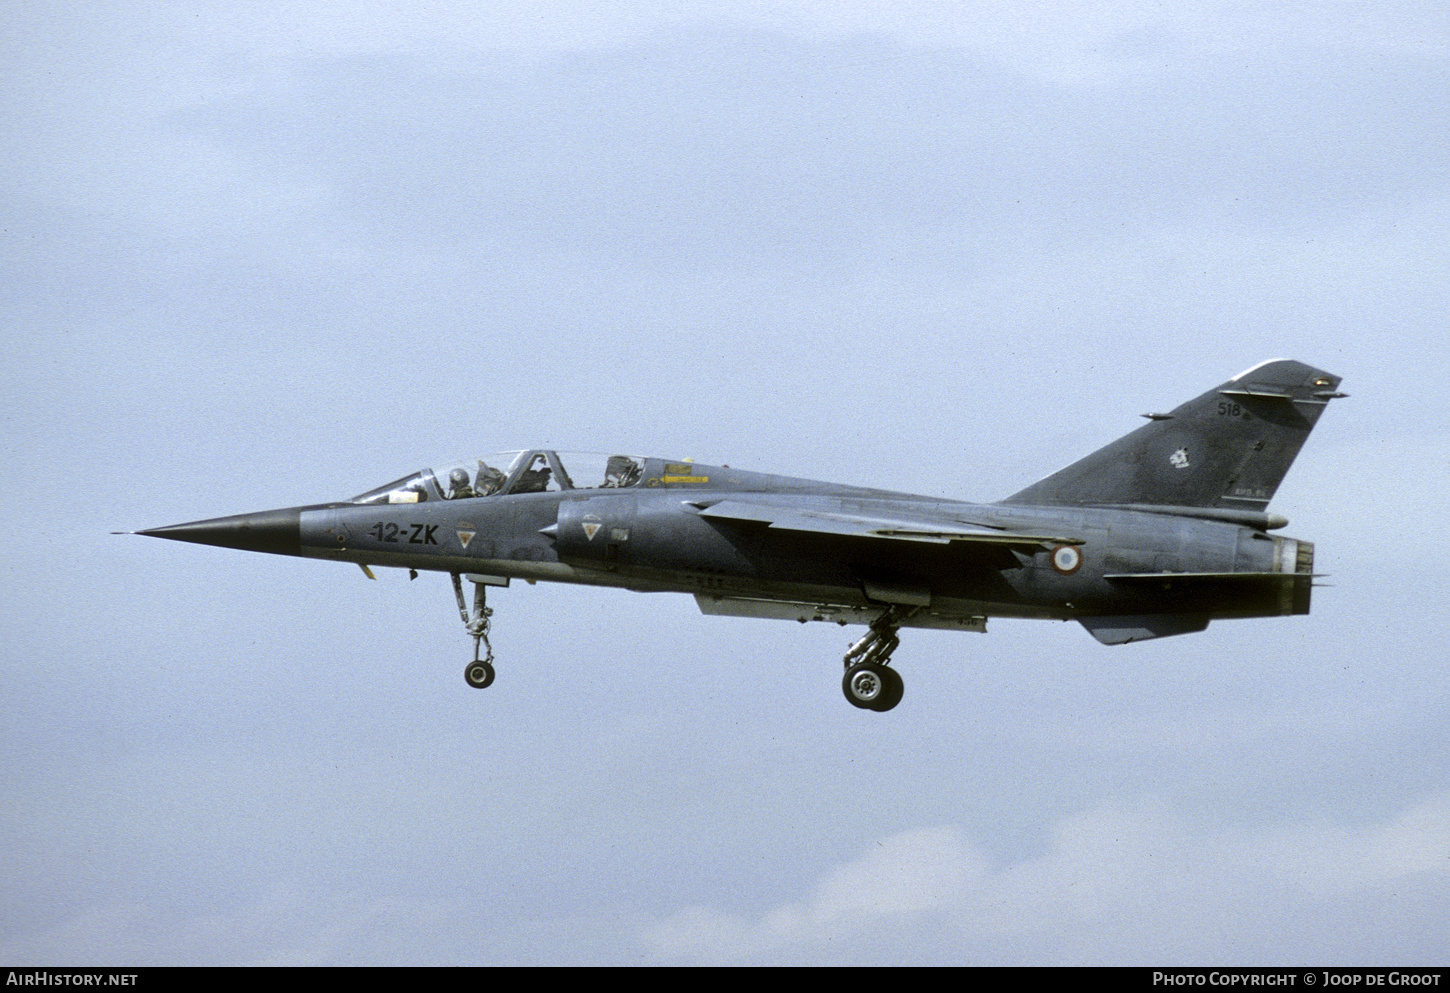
column 1228, row 448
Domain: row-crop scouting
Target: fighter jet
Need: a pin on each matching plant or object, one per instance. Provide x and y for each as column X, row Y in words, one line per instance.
column 1156, row 534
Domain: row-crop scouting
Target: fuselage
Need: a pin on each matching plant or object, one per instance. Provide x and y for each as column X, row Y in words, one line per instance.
column 1156, row 534
column 654, row 536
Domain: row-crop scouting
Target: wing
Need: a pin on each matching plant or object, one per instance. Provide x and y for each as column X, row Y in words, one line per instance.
column 835, row 613
column 879, row 528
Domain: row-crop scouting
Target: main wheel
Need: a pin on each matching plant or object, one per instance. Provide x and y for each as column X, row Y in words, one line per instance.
column 872, row 687
column 864, row 685
column 479, row 675
column 894, row 690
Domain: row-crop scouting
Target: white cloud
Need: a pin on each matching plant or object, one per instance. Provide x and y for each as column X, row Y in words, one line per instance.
column 913, row 872
column 1115, row 885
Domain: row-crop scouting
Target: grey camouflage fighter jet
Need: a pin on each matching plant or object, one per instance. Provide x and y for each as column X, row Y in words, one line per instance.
column 1157, row 534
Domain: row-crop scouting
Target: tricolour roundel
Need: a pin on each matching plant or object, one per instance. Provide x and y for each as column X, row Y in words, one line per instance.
column 1066, row 559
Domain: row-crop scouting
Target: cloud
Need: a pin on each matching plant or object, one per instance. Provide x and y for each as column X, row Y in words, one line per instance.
column 910, row 873
column 1115, row 885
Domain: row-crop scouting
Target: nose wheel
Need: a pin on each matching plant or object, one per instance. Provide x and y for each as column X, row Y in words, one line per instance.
column 478, row 673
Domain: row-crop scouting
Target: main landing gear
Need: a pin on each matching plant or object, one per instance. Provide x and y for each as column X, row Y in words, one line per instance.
column 870, row 683
column 478, row 673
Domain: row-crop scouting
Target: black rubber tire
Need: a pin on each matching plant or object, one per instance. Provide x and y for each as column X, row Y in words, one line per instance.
column 479, row 675
column 891, row 696
column 863, row 685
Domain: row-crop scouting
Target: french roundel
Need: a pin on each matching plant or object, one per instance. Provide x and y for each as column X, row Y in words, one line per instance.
column 1066, row 559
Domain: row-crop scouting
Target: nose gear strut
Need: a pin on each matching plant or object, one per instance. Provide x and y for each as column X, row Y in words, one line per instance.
column 478, row 673
column 869, row 683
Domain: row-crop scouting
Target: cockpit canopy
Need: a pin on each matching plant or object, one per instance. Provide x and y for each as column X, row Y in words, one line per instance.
column 535, row 471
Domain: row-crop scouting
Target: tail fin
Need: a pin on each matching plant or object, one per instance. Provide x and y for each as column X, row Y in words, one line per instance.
column 1228, row 449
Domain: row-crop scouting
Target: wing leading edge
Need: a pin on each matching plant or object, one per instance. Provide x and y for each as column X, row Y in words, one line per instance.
column 846, row 525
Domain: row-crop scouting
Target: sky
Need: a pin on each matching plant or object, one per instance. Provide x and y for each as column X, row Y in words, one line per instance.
column 260, row 255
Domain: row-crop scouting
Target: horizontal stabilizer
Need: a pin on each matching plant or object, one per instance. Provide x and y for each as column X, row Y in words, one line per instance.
column 1276, row 592
column 1215, row 577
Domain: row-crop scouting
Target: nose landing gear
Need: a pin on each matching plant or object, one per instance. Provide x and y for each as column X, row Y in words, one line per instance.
column 869, row 682
column 478, row 673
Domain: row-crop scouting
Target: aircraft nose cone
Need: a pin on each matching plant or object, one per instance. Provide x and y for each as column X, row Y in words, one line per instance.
column 276, row 531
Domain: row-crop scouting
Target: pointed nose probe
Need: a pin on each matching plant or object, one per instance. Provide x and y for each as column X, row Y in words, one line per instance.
column 275, row 531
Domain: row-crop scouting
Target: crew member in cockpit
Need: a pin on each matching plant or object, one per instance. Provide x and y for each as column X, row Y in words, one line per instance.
column 458, row 487
column 489, row 480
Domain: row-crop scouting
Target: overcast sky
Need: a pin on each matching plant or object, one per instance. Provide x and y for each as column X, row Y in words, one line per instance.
column 260, row 254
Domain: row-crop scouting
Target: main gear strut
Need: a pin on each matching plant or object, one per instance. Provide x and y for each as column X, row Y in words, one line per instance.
column 869, row 683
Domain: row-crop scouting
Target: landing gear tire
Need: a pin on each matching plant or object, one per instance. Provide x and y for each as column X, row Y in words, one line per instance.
column 895, row 689
column 479, row 675
column 872, row 687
